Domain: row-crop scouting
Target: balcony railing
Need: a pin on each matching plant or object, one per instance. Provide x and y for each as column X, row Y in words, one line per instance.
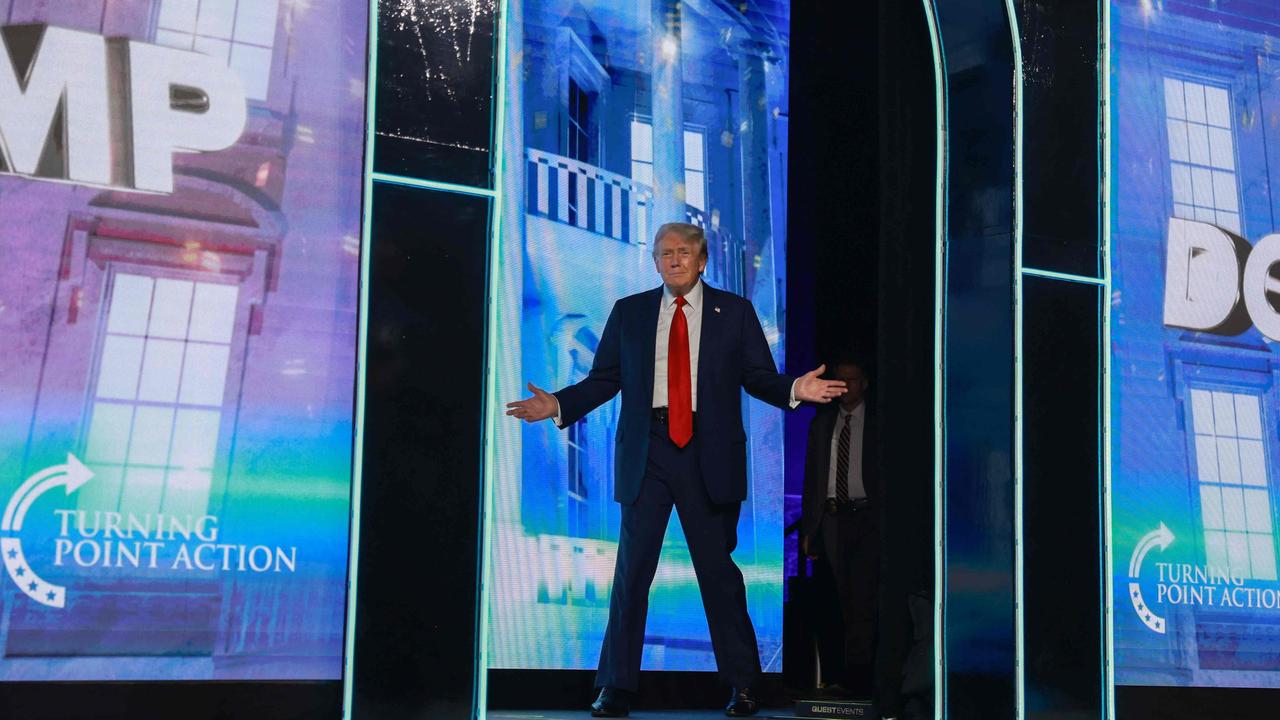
column 585, row 196
column 575, row 193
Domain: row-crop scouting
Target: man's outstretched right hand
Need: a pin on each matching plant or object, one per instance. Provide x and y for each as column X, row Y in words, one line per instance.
column 541, row 406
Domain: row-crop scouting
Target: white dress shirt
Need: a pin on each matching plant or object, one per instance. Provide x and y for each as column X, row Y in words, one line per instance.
column 857, row 421
column 693, row 317
column 662, row 339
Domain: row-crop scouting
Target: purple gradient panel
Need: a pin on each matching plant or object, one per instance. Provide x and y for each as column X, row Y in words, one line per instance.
column 196, row 349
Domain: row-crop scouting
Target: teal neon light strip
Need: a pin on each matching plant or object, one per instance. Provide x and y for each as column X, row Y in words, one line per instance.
column 1108, row 593
column 1019, row 579
column 492, row 405
column 939, row 358
column 362, row 332
column 433, row 184
column 1068, row 277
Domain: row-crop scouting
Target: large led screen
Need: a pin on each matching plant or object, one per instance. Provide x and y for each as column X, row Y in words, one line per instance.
column 621, row 117
column 1195, row 321
column 180, row 182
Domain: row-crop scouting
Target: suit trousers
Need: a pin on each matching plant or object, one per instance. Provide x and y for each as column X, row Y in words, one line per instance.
column 711, row 530
column 850, row 544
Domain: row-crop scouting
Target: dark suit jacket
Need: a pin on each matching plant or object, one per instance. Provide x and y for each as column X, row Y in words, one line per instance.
column 817, row 466
column 732, row 354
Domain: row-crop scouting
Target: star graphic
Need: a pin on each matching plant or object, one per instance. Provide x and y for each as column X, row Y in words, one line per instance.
column 21, row 571
column 1148, row 616
column 52, row 596
column 13, row 553
column 33, row 586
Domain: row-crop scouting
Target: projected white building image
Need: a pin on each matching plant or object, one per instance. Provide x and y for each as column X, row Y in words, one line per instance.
column 621, row 118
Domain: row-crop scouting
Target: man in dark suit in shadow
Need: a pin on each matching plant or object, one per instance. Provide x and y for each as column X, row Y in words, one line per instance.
column 681, row 355
column 840, row 527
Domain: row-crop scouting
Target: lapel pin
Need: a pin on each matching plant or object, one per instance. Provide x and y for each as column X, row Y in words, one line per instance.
column 717, row 309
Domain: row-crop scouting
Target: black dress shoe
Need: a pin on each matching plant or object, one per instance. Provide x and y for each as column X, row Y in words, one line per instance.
column 612, row 702
column 742, row 703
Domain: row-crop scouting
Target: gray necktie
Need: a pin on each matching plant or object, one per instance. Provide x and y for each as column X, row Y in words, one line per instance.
column 842, row 461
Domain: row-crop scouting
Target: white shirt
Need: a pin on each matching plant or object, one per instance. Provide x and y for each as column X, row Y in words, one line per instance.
column 693, row 318
column 857, row 421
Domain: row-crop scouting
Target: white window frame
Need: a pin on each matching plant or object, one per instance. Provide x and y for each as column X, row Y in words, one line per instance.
column 1203, row 170
column 242, row 46
column 134, row 382
column 695, row 173
column 1228, row 433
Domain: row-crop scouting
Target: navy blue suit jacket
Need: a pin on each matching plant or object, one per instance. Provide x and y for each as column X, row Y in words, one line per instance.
column 732, row 354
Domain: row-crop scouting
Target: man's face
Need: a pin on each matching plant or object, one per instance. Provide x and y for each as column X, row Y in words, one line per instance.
column 679, row 263
column 855, row 384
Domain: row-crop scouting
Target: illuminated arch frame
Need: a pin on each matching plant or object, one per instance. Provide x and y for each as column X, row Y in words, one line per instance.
column 1103, row 282
column 939, row 356
column 1104, row 197
column 495, row 214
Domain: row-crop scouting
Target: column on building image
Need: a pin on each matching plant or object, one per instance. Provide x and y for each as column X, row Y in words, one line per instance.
column 667, row 108
column 764, row 422
column 753, row 142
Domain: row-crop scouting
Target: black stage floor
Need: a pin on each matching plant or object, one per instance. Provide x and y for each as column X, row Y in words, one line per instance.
column 765, row 714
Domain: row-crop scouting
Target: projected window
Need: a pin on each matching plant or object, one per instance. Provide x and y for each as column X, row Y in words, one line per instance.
column 159, row 392
column 1235, row 500
column 238, row 32
column 579, row 147
column 695, row 162
column 579, row 115
column 1201, row 153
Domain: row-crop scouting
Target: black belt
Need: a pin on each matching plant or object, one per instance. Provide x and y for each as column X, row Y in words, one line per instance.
column 835, row 507
column 661, row 415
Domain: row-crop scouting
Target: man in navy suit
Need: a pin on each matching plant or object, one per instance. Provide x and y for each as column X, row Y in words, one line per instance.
column 680, row 355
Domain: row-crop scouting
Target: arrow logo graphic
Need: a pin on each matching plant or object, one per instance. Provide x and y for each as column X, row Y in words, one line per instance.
column 1161, row 537
column 70, row 476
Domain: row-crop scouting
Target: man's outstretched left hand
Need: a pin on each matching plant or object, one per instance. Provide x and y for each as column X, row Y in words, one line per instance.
column 810, row 387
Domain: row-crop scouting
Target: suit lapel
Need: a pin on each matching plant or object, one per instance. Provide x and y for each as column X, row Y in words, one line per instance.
column 651, row 308
column 709, row 340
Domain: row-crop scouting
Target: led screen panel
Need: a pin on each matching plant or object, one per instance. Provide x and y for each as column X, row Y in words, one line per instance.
column 181, row 191
column 434, row 109
column 1194, row 322
column 613, row 128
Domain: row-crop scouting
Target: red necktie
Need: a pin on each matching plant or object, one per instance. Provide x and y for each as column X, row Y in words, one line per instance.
column 679, row 392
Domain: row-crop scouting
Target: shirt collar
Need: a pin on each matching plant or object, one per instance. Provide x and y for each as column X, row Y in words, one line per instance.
column 859, row 412
column 693, row 297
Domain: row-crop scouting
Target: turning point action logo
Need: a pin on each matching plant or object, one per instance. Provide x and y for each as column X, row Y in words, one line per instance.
column 69, row 476
column 1161, row 537
column 1209, row 586
column 113, row 540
